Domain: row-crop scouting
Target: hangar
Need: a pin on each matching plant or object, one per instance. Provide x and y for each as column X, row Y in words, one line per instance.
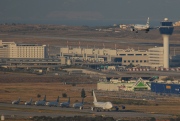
column 165, row 88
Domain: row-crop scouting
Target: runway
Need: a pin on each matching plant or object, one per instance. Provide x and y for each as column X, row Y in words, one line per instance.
column 30, row 111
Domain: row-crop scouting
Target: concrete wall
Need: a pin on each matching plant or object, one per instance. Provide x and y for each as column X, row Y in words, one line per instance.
column 108, row 87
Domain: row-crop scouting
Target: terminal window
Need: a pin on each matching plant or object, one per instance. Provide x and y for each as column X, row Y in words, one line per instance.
column 130, row 54
column 122, row 54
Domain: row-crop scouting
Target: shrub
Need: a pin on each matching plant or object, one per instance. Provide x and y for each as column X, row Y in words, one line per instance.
column 64, row 95
column 38, row 95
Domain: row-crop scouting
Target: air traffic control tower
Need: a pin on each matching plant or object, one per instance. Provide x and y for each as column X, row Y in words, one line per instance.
column 166, row 29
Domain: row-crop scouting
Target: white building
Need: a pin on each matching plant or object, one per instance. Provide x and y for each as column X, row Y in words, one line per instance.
column 13, row 50
column 8, row 49
column 127, row 56
column 156, row 57
column 152, row 57
column 139, row 57
column 132, row 85
column 30, row 51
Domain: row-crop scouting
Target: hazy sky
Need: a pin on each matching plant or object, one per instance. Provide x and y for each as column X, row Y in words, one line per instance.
column 87, row 12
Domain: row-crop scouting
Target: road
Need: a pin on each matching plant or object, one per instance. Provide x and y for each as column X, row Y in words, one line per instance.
column 143, row 73
column 30, row 111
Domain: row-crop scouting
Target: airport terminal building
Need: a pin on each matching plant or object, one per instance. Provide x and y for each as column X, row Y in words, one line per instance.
column 13, row 50
column 152, row 57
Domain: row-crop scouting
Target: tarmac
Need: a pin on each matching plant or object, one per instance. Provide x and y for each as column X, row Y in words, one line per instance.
column 15, row 111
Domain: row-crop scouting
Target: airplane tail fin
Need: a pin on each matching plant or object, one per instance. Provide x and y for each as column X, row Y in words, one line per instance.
column 58, row 99
column 147, row 22
column 44, row 98
column 95, row 100
column 69, row 100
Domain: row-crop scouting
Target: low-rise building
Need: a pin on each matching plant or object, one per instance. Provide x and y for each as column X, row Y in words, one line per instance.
column 132, row 85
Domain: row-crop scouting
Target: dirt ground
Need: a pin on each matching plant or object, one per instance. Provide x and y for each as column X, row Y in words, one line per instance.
column 26, row 86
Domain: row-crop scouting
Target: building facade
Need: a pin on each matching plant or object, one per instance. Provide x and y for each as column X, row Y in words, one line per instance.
column 133, row 85
column 13, row 50
column 118, row 55
column 153, row 57
column 165, row 88
column 156, row 57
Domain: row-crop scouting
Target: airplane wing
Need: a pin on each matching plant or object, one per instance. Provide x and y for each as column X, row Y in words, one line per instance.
column 154, row 27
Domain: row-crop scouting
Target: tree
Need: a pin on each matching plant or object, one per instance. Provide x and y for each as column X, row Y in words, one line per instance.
column 38, row 95
column 64, row 95
column 83, row 93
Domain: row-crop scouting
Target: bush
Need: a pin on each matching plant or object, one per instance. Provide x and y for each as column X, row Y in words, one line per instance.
column 64, row 95
column 38, row 95
column 83, row 93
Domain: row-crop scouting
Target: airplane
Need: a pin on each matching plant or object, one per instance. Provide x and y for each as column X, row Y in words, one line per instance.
column 141, row 27
column 65, row 104
column 41, row 102
column 79, row 105
column 28, row 102
column 101, row 105
column 16, row 101
column 53, row 103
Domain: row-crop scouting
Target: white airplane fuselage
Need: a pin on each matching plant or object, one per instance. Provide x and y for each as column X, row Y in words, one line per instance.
column 103, row 105
column 16, row 101
column 64, row 104
column 141, row 27
column 28, row 102
column 52, row 104
column 41, row 102
column 77, row 105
